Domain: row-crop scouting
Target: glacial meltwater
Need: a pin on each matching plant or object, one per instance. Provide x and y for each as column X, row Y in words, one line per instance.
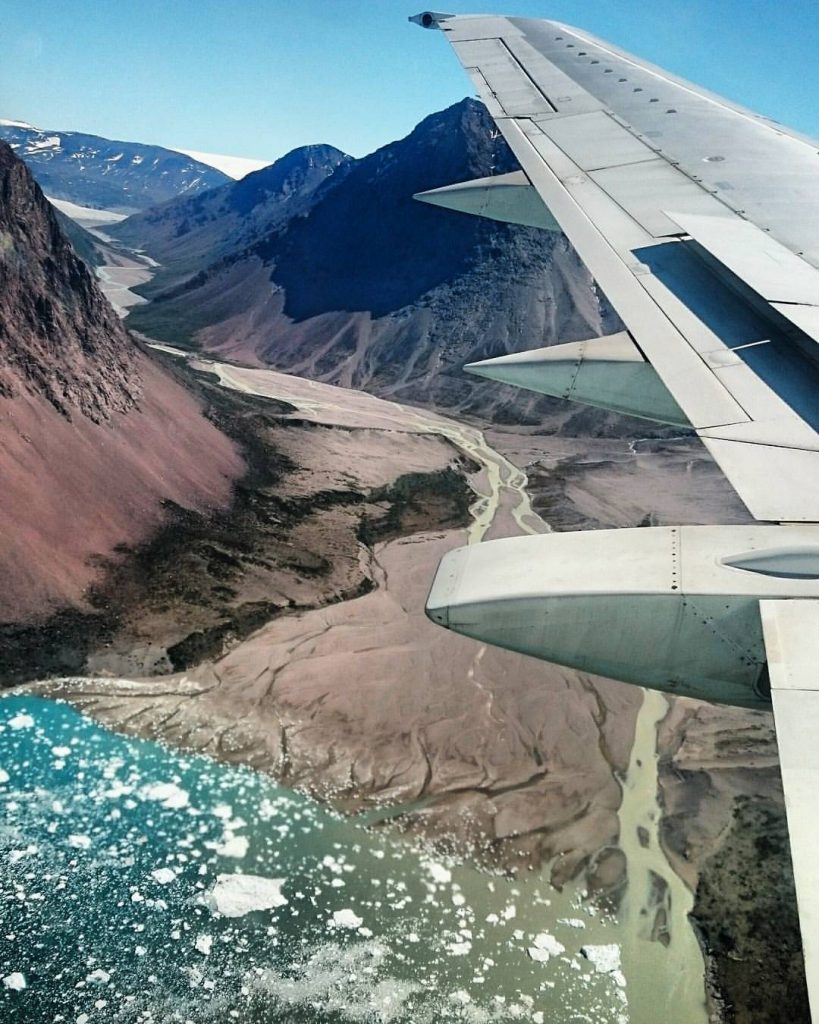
column 142, row 885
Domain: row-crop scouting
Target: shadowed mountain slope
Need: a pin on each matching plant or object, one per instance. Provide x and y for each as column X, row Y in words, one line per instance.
column 186, row 234
column 94, row 435
column 373, row 290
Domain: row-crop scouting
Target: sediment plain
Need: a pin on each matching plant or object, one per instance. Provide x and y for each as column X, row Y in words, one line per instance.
column 348, row 693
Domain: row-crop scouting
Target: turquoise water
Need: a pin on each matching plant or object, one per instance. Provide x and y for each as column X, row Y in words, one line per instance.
column 111, row 849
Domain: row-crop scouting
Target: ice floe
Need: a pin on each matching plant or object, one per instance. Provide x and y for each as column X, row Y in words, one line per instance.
column 22, row 720
column 544, row 946
column 164, row 876
column 166, row 793
column 237, row 895
column 606, row 960
column 233, row 846
column 16, row 981
column 459, row 948
column 346, row 919
column 440, row 874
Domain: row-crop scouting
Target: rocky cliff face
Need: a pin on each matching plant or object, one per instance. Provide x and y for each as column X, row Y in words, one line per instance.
column 372, row 290
column 59, row 337
column 94, row 436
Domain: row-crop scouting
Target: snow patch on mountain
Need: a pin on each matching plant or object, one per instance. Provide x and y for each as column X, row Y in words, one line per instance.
column 234, row 166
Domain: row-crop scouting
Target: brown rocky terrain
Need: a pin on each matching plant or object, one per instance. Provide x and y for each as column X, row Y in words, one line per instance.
column 94, row 436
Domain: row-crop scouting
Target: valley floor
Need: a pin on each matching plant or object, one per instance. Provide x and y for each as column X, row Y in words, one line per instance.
column 288, row 633
column 328, row 675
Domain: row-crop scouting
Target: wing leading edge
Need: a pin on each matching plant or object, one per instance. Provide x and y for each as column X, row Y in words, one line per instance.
column 700, row 221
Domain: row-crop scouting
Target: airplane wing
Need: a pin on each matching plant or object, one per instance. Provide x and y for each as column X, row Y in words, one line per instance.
column 699, row 220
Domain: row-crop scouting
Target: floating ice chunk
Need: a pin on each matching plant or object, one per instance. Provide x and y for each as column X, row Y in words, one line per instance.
column 204, row 944
column 164, row 876
column 82, row 1019
column 222, row 811
column 336, row 866
column 439, row 873
column 346, row 919
column 22, row 720
column 168, row 794
column 30, row 851
column 4, row 777
column 118, row 788
column 140, row 950
column 79, row 842
column 15, row 981
column 237, row 895
column 233, row 846
column 459, row 948
column 545, row 946
column 61, row 751
column 572, row 922
column 98, row 977
column 606, row 960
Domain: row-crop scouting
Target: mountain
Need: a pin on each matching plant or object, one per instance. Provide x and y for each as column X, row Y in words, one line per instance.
column 186, row 234
column 370, row 289
column 104, row 174
column 95, row 437
column 87, row 246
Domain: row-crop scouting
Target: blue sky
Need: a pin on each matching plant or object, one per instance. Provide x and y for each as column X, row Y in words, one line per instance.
column 257, row 77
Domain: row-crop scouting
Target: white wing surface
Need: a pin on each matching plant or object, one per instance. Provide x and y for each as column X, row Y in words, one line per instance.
column 700, row 222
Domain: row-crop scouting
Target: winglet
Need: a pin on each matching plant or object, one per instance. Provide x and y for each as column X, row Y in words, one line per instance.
column 429, row 19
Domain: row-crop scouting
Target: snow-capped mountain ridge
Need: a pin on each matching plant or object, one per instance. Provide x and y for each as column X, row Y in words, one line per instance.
column 104, row 173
